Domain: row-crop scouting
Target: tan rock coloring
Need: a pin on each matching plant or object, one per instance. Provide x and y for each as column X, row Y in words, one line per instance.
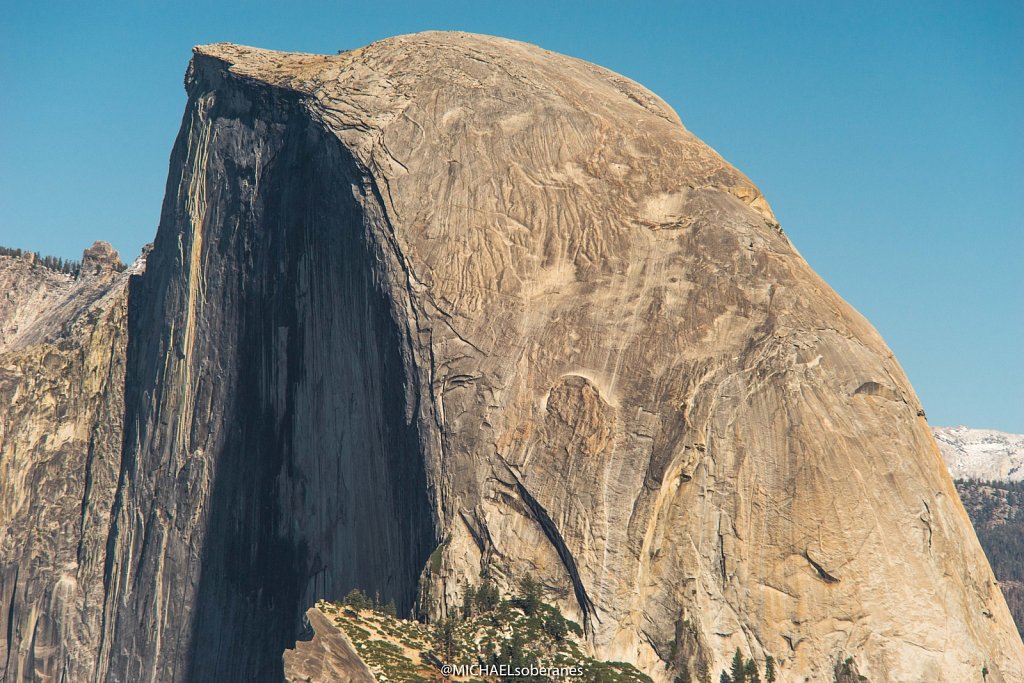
column 452, row 305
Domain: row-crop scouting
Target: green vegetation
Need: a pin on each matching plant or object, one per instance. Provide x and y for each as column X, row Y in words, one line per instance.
column 750, row 672
column 68, row 267
column 358, row 599
column 435, row 557
column 745, row 671
column 846, row 672
column 519, row 632
column 487, row 597
column 738, row 672
column 529, row 600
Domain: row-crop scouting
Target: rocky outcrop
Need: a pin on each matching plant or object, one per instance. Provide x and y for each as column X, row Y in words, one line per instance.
column 326, row 656
column 62, row 369
column 450, row 306
column 984, row 454
column 99, row 259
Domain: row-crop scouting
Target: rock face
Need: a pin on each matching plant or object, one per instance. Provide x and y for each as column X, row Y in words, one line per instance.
column 62, row 371
column 98, row 259
column 984, row 454
column 451, row 305
column 327, row 656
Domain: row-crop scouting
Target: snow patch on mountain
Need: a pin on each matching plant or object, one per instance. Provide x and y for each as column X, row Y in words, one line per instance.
column 984, row 454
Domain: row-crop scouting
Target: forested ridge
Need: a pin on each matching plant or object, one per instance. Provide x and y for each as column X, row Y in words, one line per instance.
column 996, row 509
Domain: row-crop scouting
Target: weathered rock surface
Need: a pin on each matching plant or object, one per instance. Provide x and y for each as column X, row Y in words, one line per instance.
column 985, row 454
column 459, row 293
column 62, row 369
column 624, row 377
column 328, row 656
column 99, row 259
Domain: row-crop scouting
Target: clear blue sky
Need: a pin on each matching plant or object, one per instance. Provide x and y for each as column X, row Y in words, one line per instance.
column 888, row 137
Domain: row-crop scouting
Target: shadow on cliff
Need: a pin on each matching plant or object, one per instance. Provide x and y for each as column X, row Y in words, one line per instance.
column 272, row 450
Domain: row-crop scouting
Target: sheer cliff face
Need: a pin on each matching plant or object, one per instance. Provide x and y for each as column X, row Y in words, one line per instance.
column 62, row 366
column 271, row 452
column 458, row 298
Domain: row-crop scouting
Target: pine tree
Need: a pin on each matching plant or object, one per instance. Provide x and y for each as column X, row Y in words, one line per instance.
column 357, row 598
column 487, row 597
column 530, row 600
column 703, row 674
column 555, row 627
column 468, row 601
column 444, row 636
column 750, row 671
column 738, row 672
column 769, row 670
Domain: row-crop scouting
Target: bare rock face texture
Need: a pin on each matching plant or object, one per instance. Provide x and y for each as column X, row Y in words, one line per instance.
column 62, row 370
column 327, row 656
column 449, row 306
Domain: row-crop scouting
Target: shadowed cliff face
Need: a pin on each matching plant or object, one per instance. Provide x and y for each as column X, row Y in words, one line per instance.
column 270, row 455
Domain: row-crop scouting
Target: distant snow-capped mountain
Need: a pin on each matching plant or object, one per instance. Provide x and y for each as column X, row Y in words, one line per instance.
column 981, row 453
